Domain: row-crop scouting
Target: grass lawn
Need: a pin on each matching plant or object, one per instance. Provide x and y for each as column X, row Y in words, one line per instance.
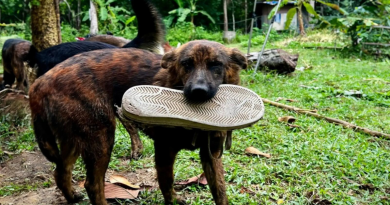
column 318, row 163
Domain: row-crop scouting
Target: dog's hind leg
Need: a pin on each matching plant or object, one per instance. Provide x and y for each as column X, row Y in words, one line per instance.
column 136, row 143
column 63, row 172
column 213, row 167
column 165, row 158
column 96, row 156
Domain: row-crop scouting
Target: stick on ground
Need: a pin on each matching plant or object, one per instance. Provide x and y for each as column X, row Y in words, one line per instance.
column 331, row 120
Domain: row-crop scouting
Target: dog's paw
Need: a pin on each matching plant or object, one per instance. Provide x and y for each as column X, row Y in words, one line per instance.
column 77, row 197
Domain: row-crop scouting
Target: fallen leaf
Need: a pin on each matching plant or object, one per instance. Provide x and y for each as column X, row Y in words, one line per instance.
column 81, row 184
column 244, row 190
column 200, row 179
column 354, row 93
column 8, row 153
column 112, row 191
column 254, row 151
column 294, row 126
column 117, row 179
column 288, row 119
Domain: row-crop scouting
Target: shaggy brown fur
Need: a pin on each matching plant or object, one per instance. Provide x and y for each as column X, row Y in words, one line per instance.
column 14, row 53
column 74, row 104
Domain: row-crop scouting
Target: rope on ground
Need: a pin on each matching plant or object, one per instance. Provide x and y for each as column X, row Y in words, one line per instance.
column 331, row 120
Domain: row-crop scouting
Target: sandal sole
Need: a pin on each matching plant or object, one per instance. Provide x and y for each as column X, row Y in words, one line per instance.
column 233, row 107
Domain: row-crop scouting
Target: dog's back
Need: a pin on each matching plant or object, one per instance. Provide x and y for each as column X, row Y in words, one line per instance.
column 109, row 39
column 48, row 58
column 88, row 91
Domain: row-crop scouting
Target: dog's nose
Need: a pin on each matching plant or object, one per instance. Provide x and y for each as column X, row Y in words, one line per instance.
column 199, row 92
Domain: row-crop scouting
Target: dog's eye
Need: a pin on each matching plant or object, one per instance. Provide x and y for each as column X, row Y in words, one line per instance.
column 215, row 64
column 188, row 64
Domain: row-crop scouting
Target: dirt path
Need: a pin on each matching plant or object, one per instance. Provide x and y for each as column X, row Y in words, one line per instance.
column 32, row 168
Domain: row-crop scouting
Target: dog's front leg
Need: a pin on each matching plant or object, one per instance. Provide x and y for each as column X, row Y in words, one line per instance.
column 165, row 158
column 213, row 167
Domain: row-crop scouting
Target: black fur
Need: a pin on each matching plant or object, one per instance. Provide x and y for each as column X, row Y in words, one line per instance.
column 50, row 57
column 151, row 29
column 151, row 35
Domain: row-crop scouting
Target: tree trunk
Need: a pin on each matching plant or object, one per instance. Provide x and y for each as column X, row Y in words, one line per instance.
column 78, row 22
column 300, row 20
column 246, row 16
column 225, row 16
column 45, row 24
column 233, row 20
column 277, row 60
column 93, row 18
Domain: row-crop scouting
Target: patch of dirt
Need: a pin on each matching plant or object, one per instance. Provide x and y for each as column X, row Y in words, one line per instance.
column 32, row 167
column 25, row 168
column 50, row 195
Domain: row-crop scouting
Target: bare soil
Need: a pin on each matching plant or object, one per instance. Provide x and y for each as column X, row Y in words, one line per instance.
column 33, row 168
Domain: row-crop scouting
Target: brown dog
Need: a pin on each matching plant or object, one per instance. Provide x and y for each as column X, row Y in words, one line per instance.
column 74, row 104
column 14, row 53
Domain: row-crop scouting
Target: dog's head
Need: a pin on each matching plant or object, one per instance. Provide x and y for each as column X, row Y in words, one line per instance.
column 201, row 66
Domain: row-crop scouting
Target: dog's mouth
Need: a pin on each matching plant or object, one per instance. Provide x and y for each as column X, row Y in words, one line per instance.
column 199, row 93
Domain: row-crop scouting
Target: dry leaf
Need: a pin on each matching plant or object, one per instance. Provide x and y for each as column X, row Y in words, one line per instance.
column 81, row 184
column 254, row 151
column 112, row 191
column 116, row 179
column 8, row 153
column 200, row 179
column 288, row 119
column 294, row 126
column 244, row 190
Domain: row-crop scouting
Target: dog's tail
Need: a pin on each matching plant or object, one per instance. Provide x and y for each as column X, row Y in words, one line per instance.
column 43, row 133
column 151, row 29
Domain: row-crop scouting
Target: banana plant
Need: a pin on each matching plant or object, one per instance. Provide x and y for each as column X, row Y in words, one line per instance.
column 298, row 9
column 182, row 13
column 112, row 18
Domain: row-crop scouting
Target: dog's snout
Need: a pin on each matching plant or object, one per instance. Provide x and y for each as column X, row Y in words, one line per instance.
column 199, row 90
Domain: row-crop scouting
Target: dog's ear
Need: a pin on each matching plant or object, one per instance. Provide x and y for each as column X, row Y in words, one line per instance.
column 237, row 61
column 238, row 58
column 168, row 60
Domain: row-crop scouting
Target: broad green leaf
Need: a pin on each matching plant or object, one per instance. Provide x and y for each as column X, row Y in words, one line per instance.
column 208, row 16
column 103, row 13
column 183, row 16
column 175, row 11
column 310, row 9
column 168, row 20
column 290, row 15
column 334, row 6
column 109, row 2
column 131, row 19
column 86, row 16
column 111, row 12
column 273, row 11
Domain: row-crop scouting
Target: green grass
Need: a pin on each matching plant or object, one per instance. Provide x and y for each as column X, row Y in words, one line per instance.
column 317, row 162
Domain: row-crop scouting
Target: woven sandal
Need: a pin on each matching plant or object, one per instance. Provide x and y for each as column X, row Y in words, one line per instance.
column 233, row 107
